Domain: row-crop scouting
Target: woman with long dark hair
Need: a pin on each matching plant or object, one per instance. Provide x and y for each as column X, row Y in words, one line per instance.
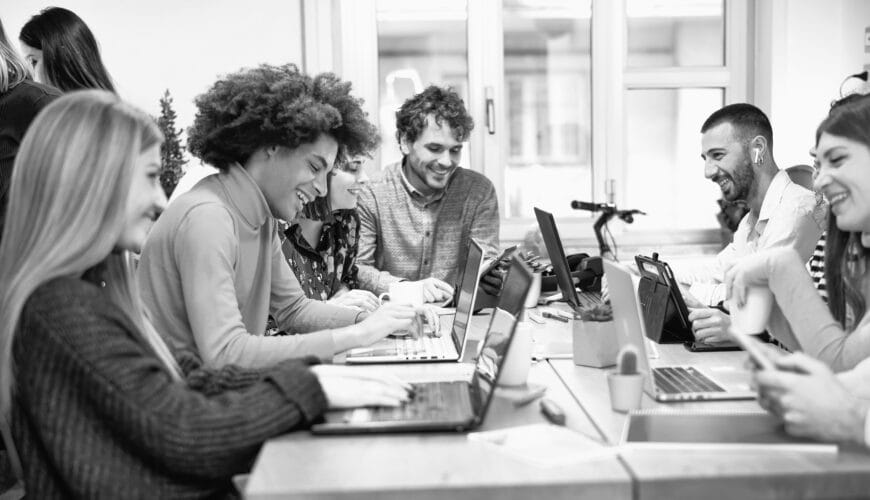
column 20, row 100
column 834, row 337
column 63, row 51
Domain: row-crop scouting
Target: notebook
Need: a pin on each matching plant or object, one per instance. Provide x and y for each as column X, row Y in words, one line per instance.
column 560, row 264
column 452, row 347
column 739, row 430
column 447, row 406
column 667, row 383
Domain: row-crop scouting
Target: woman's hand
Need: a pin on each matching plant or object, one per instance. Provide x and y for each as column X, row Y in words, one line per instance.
column 383, row 321
column 810, row 400
column 754, row 270
column 350, row 387
column 361, row 299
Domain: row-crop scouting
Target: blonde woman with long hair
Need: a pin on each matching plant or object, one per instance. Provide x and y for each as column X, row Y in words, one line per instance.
column 20, row 100
column 99, row 405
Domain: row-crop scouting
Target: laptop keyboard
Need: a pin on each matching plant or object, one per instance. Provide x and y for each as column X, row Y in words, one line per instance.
column 680, row 380
column 589, row 299
column 423, row 347
column 430, row 401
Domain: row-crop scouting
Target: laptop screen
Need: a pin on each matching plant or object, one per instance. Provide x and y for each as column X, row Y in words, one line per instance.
column 499, row 334
column 557, row 256
column 627, row 315
column 467, row 293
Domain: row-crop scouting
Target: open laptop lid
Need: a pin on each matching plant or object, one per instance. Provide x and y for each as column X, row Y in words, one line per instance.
column 498, row 336
column 557, row 256
column 628, row 316
column 467, row 295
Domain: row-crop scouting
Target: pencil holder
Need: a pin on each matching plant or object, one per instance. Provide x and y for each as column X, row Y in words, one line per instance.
column 595, row 343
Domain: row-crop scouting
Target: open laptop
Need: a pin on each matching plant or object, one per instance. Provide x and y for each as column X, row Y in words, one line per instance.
column 447, row 406
column 560, row 264
column 452, row 347
column 666, row 383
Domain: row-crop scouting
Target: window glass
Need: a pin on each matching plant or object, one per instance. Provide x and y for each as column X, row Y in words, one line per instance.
column 419, row 43
column 548, row 105
column 663, row 146
column 667, row 33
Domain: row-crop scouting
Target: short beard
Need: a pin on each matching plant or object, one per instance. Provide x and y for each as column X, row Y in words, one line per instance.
column 743, row 179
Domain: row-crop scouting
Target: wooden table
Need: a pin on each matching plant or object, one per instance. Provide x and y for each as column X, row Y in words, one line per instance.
column 440, row 465
column 716, row 474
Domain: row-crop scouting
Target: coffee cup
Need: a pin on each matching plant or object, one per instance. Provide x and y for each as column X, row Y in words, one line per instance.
column 404, row 292
column 515, row 369
column 752, row 317
column 534, row 291
column 407, row 293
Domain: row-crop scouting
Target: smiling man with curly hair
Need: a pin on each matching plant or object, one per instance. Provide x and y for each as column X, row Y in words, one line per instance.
column 212, row 269
column 416, row 221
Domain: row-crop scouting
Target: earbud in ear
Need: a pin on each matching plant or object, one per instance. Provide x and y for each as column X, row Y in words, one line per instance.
column 757, row 154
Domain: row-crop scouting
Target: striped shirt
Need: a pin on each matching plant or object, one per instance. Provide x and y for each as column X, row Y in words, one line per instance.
column 405, row 235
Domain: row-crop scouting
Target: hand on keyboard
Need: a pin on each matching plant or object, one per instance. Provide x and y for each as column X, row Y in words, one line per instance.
column 350, row 387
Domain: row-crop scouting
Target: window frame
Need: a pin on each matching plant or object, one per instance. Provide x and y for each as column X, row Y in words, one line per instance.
column 350, row 49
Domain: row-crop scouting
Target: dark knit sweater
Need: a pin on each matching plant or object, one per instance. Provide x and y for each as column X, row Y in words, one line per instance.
column 97, row 416
column 18, row 107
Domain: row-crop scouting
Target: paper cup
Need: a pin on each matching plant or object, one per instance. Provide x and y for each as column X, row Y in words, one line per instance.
column 752, row 318
column 515, row 369
column 534, row 291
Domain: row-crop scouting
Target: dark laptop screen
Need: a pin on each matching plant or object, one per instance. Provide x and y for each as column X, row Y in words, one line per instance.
column 557, row 256
column 468, row 287
column 499, row 334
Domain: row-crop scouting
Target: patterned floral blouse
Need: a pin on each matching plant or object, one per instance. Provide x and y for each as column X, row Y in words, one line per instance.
column 323, row 271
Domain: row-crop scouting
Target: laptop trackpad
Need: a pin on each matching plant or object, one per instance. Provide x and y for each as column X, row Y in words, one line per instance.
column 729, row 376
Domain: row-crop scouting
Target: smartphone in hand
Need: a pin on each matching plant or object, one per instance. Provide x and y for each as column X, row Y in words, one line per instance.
column 756, row 349
column 503, row 256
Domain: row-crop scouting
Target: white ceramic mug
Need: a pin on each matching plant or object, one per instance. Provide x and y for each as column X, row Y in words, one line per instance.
column 404, row 292
column 753, row 316
column 410, row 293
column 515, row 369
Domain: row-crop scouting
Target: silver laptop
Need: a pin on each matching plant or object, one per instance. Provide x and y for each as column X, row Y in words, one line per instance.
column 453, row 347
column 666, row 383
column 447, row 406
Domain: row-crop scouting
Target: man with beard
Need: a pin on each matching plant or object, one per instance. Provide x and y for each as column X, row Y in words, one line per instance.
column 737, row 148
column 416, row 220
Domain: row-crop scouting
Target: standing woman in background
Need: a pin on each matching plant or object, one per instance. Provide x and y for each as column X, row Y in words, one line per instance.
column 100, row 406
column 20, row 100
column 63, row 51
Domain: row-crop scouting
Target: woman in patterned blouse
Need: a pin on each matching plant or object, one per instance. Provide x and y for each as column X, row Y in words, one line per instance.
column 321, row 245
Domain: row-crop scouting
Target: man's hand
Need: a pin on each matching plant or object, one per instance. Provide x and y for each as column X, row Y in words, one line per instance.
column 811, row 400
column 430, row 314
column 710, row 325
column 362, row 299
column 350, row 387
column 435, row 290
column 493, row 281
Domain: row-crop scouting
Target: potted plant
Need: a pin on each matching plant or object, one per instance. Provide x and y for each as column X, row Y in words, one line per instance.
column 594, row 336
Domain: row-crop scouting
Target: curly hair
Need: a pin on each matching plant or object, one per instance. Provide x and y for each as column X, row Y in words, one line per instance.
column 444, row 104
column 276, row 106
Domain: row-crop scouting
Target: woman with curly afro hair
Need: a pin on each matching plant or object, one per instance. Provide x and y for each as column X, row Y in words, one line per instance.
column 212, row 270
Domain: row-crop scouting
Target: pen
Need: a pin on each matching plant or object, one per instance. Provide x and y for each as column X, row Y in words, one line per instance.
column 550, row 315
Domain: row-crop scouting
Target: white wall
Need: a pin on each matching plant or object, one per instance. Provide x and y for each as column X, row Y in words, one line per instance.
column 806, row 48
column 182, row 45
